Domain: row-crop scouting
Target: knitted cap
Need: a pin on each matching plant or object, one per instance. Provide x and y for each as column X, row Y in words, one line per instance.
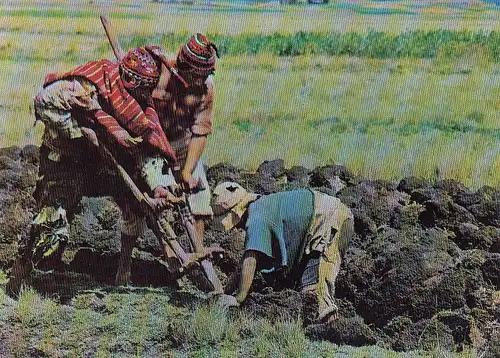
column 139, row 68
column 198, row 55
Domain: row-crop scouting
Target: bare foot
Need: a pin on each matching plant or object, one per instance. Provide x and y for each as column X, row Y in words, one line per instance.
column 329, row 316
column 206, row 253
column 333, row 317
column 122, row 279
column 19, row 272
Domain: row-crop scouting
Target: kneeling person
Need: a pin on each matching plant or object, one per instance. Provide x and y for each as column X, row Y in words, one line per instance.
column 300, row 234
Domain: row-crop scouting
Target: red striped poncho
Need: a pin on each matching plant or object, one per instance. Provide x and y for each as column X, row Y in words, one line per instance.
column 119, row 109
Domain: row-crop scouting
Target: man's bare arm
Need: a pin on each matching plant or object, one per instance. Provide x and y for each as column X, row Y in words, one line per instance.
column 194, row 152
column 202, row 126
column 248, row 269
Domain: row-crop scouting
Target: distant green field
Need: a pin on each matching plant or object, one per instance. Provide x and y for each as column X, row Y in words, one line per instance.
column 374, row 44
column 411, row 91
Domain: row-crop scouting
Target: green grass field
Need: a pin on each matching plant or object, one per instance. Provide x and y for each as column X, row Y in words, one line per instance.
column 390, row 89
column 145, row 323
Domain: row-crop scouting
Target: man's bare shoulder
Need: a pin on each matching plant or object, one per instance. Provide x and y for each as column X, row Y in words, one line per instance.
column 161, row 91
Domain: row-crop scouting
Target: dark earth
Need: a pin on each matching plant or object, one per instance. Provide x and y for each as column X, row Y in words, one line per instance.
column 422, row 270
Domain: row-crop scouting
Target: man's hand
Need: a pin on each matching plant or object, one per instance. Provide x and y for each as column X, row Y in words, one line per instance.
column 205, row 253
column 248, row 269
column 189, row 182
column 227, row 301
column 126, row 140
column 194, row 151
column 157, row 204
column 162, row 192
column 162, row 199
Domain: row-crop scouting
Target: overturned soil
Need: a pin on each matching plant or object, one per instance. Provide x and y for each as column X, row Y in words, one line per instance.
column 423, row 269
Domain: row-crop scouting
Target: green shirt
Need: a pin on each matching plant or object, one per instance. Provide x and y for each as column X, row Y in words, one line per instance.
column 277, row 225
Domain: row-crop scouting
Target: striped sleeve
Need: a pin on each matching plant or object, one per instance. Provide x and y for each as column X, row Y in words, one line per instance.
column 157, row 138
column 110, row 124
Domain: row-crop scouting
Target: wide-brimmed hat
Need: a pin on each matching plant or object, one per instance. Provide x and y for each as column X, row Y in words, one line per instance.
column 139, row 68
column 230, row 201
column 198, row 55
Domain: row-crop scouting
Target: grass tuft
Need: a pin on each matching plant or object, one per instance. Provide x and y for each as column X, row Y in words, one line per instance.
column 204, row 327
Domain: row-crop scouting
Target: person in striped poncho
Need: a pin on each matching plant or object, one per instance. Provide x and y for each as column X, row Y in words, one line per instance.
column 112, row 98
column 101, row 101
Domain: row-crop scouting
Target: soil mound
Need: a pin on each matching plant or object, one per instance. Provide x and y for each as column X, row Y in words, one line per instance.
column 422, row 271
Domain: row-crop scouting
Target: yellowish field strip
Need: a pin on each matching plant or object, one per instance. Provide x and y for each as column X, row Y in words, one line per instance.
column 150, row 18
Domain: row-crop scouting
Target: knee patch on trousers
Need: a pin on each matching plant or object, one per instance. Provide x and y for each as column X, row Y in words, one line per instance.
column 49, row 232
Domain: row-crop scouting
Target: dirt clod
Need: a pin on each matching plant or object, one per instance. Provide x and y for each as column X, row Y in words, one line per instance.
column 421, row 272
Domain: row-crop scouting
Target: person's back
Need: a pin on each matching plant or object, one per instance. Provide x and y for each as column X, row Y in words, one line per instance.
column 277, row 225
column 121, row 106
column 303, row 231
